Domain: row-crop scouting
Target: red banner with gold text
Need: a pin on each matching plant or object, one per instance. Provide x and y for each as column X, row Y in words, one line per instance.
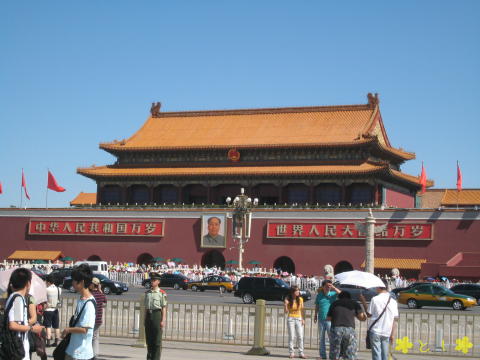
column 333, row 230
column 96, row 227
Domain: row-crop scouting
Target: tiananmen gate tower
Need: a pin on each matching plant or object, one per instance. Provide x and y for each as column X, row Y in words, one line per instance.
column 315, row 170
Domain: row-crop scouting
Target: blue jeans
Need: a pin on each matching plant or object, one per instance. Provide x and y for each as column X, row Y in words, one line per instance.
column 379, row 346
column 323, row 331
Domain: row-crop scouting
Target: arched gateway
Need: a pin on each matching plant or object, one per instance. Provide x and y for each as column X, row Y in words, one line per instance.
column 343, row 266
column 144, row 258
column 213, row 258
column 285, row 264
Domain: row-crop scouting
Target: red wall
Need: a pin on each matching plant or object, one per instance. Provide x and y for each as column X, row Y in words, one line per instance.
column 400, row 200
column 182, row 239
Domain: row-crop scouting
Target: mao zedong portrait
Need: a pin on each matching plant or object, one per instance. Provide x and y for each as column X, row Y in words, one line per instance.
column 214, row 238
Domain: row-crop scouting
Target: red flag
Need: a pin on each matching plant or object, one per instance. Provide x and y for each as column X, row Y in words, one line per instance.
column 1, row 189
column 459, row 178
column 423, row 180
column 52, row 183
column 24, row 185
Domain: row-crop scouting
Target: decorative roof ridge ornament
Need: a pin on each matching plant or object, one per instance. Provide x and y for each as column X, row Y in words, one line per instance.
column 373, row 99
column 155, row 109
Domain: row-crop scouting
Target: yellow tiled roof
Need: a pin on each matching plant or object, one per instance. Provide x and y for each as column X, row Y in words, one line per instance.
column 103, row 171
column 410, row 178
column 35, row 255
column 463, row 197
column 432, row 198
column 364, row 168
column 307, row 126
column 84, row 199
column 390, row 263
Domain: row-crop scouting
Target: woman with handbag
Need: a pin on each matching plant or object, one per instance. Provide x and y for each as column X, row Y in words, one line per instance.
column 80, row 332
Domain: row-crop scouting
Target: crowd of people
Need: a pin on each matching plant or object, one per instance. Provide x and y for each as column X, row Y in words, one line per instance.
column 335, row 314
column 37, row 325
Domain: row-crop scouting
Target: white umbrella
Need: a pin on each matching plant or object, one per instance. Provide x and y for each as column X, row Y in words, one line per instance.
column 359, row 278
column 38, row 289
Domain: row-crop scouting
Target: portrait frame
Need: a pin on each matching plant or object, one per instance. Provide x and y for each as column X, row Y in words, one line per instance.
column 207, row 241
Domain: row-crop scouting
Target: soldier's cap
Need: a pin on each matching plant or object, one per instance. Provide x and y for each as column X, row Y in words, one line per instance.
column 155, row 276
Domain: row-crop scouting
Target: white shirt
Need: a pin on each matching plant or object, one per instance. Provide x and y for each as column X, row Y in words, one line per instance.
column 19, row 313
column 52, row 297
column 384, row 325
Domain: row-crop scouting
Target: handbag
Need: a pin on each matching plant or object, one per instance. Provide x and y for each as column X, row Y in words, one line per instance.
column 368, row 343
column 37, row 344
column 59, row 352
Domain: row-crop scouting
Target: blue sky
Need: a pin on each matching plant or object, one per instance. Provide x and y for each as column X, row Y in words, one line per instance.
column 74, row 74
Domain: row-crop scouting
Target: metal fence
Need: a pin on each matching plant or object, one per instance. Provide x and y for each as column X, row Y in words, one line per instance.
column 452, row 333
column 132, row 279
column 135, row 279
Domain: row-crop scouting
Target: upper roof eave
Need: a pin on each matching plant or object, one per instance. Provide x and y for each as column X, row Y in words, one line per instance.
column 120, row 148
column 409, row 178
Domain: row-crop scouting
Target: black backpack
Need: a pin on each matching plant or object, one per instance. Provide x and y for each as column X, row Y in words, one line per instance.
column 11, row 345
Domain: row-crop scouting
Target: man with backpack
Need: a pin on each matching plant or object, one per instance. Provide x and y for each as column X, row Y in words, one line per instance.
column 51, row 316
column 16, row 317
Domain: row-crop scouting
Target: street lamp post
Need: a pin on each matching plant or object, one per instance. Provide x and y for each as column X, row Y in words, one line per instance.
column 242, row 221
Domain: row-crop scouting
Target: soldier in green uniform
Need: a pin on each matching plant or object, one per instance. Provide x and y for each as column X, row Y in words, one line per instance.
column 155, row 317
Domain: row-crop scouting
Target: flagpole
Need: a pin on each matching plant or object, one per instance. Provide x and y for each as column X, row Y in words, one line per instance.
column 46, row 191
column 457, row 185
column 21, row 193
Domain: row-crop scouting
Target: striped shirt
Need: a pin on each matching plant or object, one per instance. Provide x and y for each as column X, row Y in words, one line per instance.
column 101, row 300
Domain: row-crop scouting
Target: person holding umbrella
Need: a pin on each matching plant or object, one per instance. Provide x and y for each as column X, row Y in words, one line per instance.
column 342, row 314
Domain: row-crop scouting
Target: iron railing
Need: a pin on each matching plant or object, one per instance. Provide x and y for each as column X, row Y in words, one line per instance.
column 442, row 332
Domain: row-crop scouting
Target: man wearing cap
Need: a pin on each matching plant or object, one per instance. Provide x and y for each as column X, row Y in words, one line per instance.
column 101, row 300
column 155, row 317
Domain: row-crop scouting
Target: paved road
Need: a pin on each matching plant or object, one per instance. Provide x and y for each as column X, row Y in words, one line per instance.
column 213, row 297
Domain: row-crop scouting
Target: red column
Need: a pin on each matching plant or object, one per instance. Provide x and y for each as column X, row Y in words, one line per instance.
column 179, row 194
column 312, row 194
column 344, row 194
column 99, row 193
column 378, row 194
column 209, row 194
column 124, row 197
